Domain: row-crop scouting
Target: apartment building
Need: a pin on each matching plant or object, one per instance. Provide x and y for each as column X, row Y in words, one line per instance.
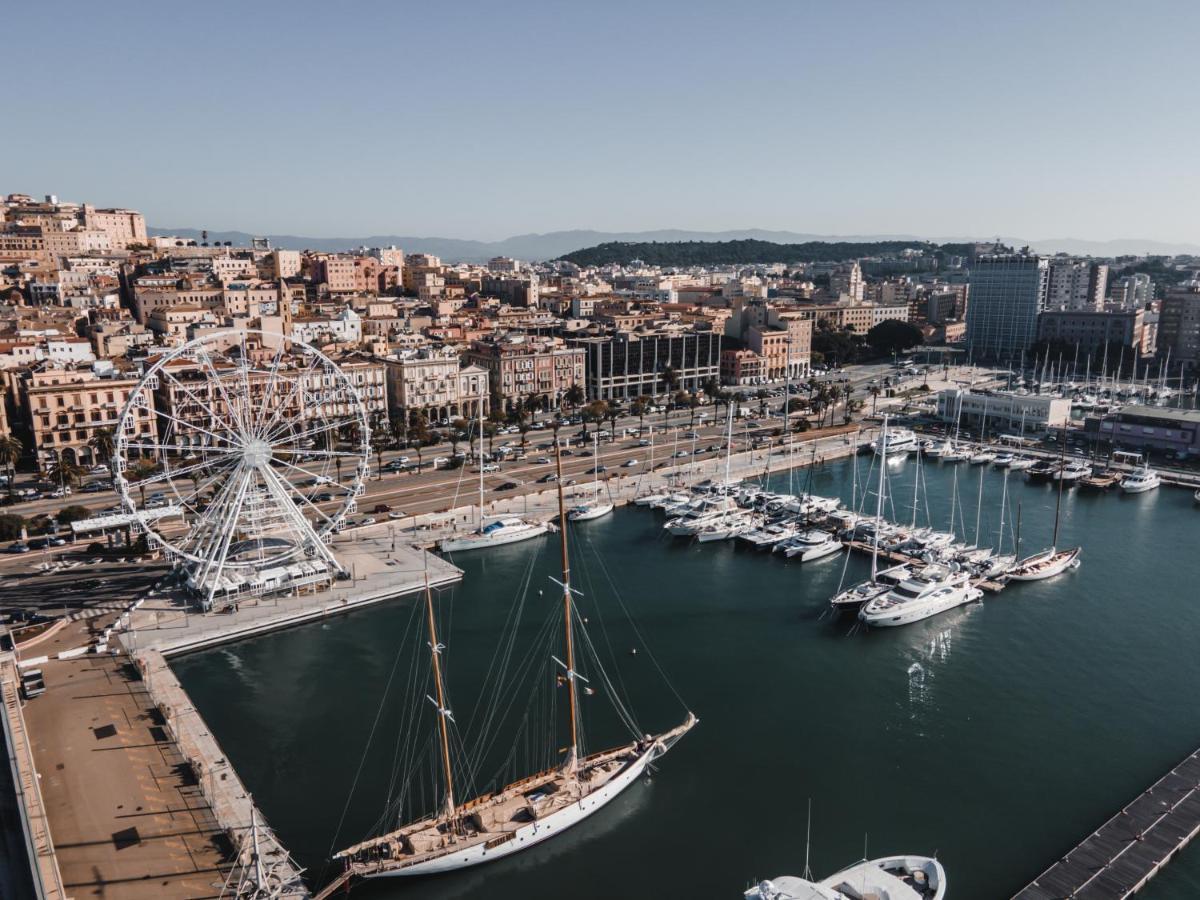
column 630, row 364
column 521, row 366
column 1075, row 284
column 66, row 407
column 433, row 380
column 1179, row 326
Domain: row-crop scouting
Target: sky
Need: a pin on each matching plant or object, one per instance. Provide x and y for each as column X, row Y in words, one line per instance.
column 488, row 119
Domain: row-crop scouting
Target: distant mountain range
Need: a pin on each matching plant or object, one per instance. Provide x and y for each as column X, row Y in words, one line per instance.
column 552, row 245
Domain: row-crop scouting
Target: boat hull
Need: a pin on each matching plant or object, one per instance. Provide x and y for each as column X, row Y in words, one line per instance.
column 1140, row 487
column 480, row 542
column 1044, row 565
column 591, row 512
column 893, row 618
column 533, row 833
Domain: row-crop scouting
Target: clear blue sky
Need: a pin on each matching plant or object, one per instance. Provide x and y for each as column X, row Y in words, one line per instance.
column 483, row 120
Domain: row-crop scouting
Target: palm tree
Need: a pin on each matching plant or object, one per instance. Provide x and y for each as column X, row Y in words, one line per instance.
column 594, row 412
column 419, row 431
column 670, row 379
column 102, row 445
column 613, row 413
column 711, row 388
column 143, row 469
column 379, row 440
column 64, row 469
column 874, row 391
column 574, row 396
column 11, row 451
column 490, row 430
column 693, row 402
column 638, row 408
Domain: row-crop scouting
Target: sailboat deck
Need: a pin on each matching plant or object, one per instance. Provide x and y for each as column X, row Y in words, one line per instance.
column 489, row 817
column 894, row 556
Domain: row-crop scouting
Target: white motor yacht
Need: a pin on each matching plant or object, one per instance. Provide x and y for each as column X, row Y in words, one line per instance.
column 768, row 535
column 1021, row 463
column 930, row 591
column 937, row 451
column 982, row 457
column 1072, row 472
column 1140, row 480
column 504, row 530
column 1003, row 460
column 890, row 878
column 898, row 442
column 725, row 526
column 809, row 545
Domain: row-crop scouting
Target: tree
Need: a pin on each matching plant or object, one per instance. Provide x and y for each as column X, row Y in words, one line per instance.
column 612, row 413
column 693, row 402
column 64, row 469
column 11, row 451
column 490, row 430
column 11, row 526
column 102, row 445
column 711, row 388
column 893, row 336
column 594, row 412
column 140, row 471
column 419, row 431
column 379, row 441
column 73, row 513
column 874, row 390
column 574, row 397
column 801, row 425
column 638, row 408
column 670, row 379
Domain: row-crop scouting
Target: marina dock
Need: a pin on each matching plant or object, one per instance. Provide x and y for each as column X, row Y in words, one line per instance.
column 1119, row 857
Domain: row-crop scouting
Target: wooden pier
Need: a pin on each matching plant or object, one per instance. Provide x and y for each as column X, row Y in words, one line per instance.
column 1125, row 852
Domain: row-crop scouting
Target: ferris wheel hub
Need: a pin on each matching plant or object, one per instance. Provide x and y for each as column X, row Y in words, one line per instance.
column 257, row 453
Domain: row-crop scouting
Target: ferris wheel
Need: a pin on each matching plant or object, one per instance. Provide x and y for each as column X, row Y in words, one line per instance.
column 260, row 443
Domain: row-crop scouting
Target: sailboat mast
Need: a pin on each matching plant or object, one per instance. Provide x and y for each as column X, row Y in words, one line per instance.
column 573, row 750
column 443, row 713
column 883, row 444
column 1062, row 457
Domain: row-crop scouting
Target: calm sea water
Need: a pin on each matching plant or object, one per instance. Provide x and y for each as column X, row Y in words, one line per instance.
column 995, row 735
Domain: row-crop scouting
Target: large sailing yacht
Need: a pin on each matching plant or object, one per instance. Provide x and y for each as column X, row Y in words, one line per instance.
column 524, row 813
column 596, row 507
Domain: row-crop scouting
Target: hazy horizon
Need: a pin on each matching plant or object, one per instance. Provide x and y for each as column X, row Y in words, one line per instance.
column 482, row 122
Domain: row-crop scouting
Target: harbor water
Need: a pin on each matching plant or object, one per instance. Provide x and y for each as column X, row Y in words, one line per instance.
column 995, row 735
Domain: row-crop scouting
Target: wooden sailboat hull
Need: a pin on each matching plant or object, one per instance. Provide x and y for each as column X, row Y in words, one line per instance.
column 507, row 844
column 1044, row 565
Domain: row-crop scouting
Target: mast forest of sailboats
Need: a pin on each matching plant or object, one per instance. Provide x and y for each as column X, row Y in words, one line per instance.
column 534, row 808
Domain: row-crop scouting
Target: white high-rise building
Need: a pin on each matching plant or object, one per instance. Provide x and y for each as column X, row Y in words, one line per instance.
column 1075, row 284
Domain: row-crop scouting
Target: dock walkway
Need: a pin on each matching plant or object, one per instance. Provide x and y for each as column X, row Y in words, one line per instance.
column 1125, row 852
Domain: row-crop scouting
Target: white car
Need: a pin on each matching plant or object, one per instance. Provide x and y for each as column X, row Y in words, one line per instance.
column 490, row 467
column 99, row 469
column 440, row 461
column 629, row 463
column 395, row 514
column 542, row 460
column 644, row 442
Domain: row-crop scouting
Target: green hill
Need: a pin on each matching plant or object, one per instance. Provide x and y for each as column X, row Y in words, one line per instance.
column 748, row 252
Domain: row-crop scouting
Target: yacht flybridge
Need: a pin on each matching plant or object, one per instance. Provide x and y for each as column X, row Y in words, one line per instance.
column 527, row 811
column 897, row 442
column 890, row 878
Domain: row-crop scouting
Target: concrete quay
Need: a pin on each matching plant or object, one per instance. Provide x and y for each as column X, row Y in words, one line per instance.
column 382, row 567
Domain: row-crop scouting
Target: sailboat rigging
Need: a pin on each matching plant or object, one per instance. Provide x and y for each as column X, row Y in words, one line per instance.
column 526, row 812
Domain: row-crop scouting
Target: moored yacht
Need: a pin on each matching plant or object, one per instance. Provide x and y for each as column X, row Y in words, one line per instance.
column 503, row 530
column 982, row 456
column 930, row 591
column 1021, row 463
column 897, row 442
column 854, row 598
column 1072, row 472
column 890, row 878
column 585, row 512
column 809, row 545
column 1045, row 565
column 1140, row 480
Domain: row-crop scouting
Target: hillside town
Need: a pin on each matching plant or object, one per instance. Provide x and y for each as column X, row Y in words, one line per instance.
column 89, row 298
